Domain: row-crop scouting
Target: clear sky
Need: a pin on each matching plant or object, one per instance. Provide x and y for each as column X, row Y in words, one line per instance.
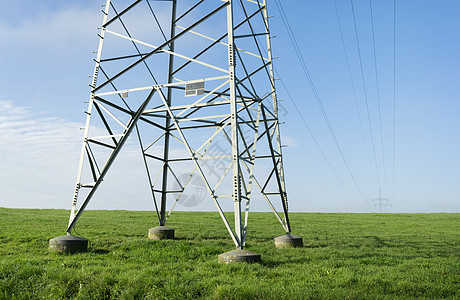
column 46, row 57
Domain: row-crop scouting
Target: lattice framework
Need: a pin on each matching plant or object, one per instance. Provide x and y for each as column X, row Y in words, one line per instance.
column 207, row 80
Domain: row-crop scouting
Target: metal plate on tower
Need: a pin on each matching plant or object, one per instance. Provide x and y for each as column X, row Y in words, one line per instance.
column 194, row 89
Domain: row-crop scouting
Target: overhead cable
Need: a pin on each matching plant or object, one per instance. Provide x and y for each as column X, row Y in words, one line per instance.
column 365, row 95
column 378, row 99
column 394, row 97
column 315, row 93
column 352, row 84
column 314, row 138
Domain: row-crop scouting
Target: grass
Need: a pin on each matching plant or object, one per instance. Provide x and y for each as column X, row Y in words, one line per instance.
column 345, row 256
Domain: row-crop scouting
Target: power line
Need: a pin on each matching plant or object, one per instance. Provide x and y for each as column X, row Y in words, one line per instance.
column 365, row 94
column 314, row 138
column 315, row 93
column 378, row 97
column 307, row 127
column 352, row 82
column 394, row 94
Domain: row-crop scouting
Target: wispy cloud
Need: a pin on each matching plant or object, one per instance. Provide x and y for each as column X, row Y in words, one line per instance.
column 50, row 27
column 289, row 141
column 37, row 155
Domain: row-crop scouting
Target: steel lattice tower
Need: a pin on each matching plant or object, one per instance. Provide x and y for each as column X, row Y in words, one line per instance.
column 180, row 77
column 381, row 204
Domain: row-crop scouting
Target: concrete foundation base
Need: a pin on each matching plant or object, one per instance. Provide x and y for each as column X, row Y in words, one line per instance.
column 239, row 255
column 288, row 241
column 161, row 233
column 68, row 244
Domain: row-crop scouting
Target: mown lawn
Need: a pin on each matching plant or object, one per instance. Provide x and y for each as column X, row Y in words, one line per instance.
column 345, row 256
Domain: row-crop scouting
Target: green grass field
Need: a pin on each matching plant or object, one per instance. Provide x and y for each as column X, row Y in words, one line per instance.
column 345, row 256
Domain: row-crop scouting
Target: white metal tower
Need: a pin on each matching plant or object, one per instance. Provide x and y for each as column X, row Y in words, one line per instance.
column 381, row 204
column 193, row 83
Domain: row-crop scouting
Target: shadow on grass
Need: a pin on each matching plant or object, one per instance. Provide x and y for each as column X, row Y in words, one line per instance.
column 377, row 241
column 269, row 263
column 313, row 246
column 202, row 238
column 99, row 251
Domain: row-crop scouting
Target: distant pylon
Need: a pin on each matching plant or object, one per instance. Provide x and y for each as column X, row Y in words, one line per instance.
column 380, row 203
column 195, row 85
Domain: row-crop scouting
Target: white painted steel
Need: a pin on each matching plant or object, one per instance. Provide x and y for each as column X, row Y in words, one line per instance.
column 240, row 108
column 169, row 52
column 88, row 117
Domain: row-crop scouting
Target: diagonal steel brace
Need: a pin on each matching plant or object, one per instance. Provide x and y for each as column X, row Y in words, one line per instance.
column 113, row 156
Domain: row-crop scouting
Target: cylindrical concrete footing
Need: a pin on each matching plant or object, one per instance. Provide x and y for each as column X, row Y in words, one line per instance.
column 239, row 255
column 288, row 241
column 161, row 233
column 68, row 244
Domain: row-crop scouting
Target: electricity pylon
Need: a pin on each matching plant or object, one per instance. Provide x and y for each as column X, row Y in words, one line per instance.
column 181, row 77
column 380, row 203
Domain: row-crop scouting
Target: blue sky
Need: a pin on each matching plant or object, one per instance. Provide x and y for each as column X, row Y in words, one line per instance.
column 46, row 57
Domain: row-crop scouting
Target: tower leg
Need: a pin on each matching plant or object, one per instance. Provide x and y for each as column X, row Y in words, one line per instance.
column 167, row 126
